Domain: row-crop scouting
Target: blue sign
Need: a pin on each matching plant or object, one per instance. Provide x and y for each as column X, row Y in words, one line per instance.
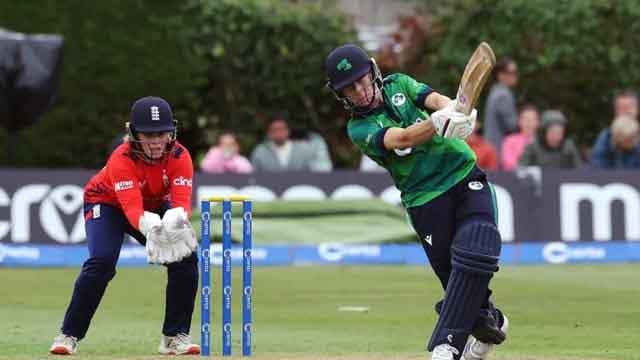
column 334, row 253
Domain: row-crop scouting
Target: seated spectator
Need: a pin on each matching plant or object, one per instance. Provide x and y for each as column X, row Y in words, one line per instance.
column 626, row 103
column 368, row 165
column 321, row 161
column 617, row 146
column 486, row 155
column 551, row 149
column 225, row 157
column 279, row 153
column 514, row 144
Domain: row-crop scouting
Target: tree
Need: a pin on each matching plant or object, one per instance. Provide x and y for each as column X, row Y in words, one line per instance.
column 572, row 55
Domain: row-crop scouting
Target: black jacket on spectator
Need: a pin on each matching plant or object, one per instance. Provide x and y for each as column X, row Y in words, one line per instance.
column 538, row 153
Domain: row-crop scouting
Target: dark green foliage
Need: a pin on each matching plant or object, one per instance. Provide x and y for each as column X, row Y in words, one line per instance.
column 115, row 52
column 264, row 58
column 573, row 55
column 229, row 65
column 245, row 59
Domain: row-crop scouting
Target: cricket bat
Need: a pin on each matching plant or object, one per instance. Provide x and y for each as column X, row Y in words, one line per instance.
column 475, row 75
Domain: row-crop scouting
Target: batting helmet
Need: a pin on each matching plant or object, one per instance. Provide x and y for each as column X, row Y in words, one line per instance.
column 345, row 65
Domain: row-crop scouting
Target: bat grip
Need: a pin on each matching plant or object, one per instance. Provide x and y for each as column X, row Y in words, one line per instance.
column 460, row 107
column 460, row 103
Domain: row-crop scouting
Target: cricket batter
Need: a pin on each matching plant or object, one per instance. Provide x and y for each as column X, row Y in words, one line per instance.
column 449, row 200
column 148, row 177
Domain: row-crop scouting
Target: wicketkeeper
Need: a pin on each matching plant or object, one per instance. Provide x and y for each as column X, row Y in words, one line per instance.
column 144, row 191
column 450, row 202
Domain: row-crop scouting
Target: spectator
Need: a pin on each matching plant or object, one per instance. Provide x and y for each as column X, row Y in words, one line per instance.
column 500, row 111
column 279, row 153
column 514, row 144
column 486, row 155
column 617, row 146
column 225, row 157
column 551, row 148
column 321, row 161
column 368, row 165
column 626, row 103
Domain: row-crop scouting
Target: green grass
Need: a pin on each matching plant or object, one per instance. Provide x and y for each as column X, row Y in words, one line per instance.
column 282, row 222
column 557, row 312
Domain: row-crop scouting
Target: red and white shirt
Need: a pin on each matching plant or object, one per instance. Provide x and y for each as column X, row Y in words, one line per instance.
column 133, row 185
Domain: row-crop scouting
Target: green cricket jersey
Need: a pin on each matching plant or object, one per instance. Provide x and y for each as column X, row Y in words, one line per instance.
column 424, row 171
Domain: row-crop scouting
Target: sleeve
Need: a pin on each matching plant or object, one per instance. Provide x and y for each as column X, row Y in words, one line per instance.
column 321, row 161
column 508, row 154
column 256, row 158
column 528, row 156
column 415, row 90
column 211, row 162
column 122, row 174
column 241, row 165
column 599, row 153
column 181, row 180
column 369, row 138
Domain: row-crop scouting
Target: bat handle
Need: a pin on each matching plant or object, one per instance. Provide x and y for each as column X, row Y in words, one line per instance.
column 462, row 104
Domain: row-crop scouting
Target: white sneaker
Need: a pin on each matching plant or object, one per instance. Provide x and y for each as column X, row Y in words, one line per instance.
column 478, row 350
column 64, row 345
column 178, row 345
column 444, row 352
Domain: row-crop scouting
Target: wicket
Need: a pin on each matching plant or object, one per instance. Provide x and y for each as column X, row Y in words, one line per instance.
column 205, row 264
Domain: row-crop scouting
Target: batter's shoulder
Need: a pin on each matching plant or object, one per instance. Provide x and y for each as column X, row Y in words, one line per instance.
column 395, row 77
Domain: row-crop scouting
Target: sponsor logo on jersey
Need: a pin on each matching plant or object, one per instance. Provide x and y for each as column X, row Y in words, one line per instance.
column 182, row 181
column 123, row 185
column 398, row 99
column 475, row 185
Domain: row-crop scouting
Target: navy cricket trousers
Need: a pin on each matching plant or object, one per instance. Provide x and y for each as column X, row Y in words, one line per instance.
column 436, row 222
column 106, row 226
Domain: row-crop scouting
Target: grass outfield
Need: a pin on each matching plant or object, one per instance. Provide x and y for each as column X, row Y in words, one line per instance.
column 557, row 312
column 353, row 221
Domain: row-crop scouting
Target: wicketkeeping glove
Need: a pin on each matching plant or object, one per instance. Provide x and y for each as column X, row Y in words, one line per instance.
column 180, row 232
column 159, row 249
